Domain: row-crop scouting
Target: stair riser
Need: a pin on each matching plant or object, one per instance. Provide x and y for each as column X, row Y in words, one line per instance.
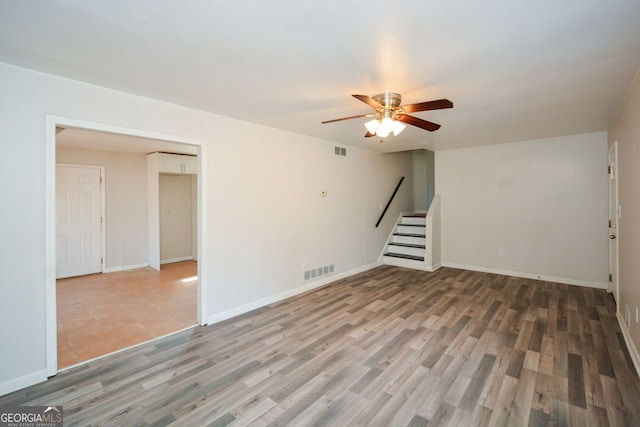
column 405, row 250
column 410, row 229
column 410, row 240
column 420, row 221
column 407, row 263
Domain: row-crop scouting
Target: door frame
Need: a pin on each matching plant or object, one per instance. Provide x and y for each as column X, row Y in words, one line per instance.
column 51, row 122
column 612, row 159
column 103, row 243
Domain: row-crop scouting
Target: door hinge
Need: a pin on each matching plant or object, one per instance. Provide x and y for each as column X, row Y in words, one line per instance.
column 100, row 220
column 610, row 277
column 609, row 169
column 609, row 223
column 100, row 179
column 101, row 260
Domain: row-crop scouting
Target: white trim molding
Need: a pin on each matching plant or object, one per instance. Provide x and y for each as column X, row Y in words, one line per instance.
column 180, row 259
column 22, row 382
column 546, row 278
column 125, row 267
column 633, row 351
column 228, row 314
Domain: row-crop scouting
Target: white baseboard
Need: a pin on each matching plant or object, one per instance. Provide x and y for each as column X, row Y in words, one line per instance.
column 434, row 267
column 567, row 281
column 22, row 382
column 633, row 351
column 227, row 314
column 180, row 259
column 125, row 267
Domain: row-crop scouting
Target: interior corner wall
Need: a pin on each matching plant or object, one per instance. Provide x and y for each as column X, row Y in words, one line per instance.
column 266, row 219
column 626, row 131
column 419, row 160
column 423, row 179
column 530, row 209
column 126, row 229
column 431, row 173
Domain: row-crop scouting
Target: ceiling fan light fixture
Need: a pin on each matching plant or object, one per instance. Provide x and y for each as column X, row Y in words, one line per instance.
column 372, row 126
column 398, row 127
column 386, row 126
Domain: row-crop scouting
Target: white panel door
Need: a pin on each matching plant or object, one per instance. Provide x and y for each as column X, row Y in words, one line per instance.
column 78, row 227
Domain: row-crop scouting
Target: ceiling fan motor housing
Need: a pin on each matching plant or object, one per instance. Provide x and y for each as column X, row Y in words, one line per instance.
column 389, row 100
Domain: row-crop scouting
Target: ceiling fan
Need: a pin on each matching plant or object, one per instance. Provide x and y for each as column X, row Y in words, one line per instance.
column 390, row 116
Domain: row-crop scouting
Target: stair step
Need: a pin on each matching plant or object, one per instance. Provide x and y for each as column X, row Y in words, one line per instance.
column 409, row 235
column 408, row 245
column 412, row 257
column 411, row 229
column 414, row 215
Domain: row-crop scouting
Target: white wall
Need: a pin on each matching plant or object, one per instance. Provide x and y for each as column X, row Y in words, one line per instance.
column 266, row 220
column 626, row 130
column 423, row 179
column 534, row 208
column 277, row 225
column 419, row 180
column 125, row 203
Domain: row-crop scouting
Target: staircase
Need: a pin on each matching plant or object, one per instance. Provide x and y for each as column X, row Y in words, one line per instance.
column 407, row 245
column 415, row 240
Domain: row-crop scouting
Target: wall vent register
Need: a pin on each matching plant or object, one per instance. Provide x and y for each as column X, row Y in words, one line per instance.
column 314, row 273
column 340, row 151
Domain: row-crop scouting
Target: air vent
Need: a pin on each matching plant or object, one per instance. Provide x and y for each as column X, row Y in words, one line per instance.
column 314, row 273
column 340, row 151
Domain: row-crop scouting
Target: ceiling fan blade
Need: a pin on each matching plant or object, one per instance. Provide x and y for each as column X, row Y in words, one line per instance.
column 348, row 118
column 369, row 101
column 369, row 134
column 438, row 104
column 414, row 121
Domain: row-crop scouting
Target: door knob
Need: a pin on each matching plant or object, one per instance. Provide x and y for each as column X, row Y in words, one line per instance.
column 612, row 236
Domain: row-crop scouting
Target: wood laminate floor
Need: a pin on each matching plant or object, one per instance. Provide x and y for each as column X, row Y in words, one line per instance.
column 388, row 347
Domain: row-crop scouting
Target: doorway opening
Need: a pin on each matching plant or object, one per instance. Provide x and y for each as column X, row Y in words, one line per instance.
column 125, row 143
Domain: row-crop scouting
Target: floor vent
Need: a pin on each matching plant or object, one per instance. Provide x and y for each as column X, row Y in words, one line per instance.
column 340, row 151
column 314, row 273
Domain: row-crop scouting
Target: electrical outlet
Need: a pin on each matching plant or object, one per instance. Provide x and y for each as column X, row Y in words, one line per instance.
column 500, row 252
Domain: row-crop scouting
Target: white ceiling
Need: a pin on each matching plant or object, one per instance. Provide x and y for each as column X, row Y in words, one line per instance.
column 515, row 70
column 94, row 140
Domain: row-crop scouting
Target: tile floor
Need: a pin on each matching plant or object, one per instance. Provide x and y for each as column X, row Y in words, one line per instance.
column 102, row 313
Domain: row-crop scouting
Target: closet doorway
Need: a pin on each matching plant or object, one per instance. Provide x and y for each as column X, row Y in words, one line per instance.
column 178, row 219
